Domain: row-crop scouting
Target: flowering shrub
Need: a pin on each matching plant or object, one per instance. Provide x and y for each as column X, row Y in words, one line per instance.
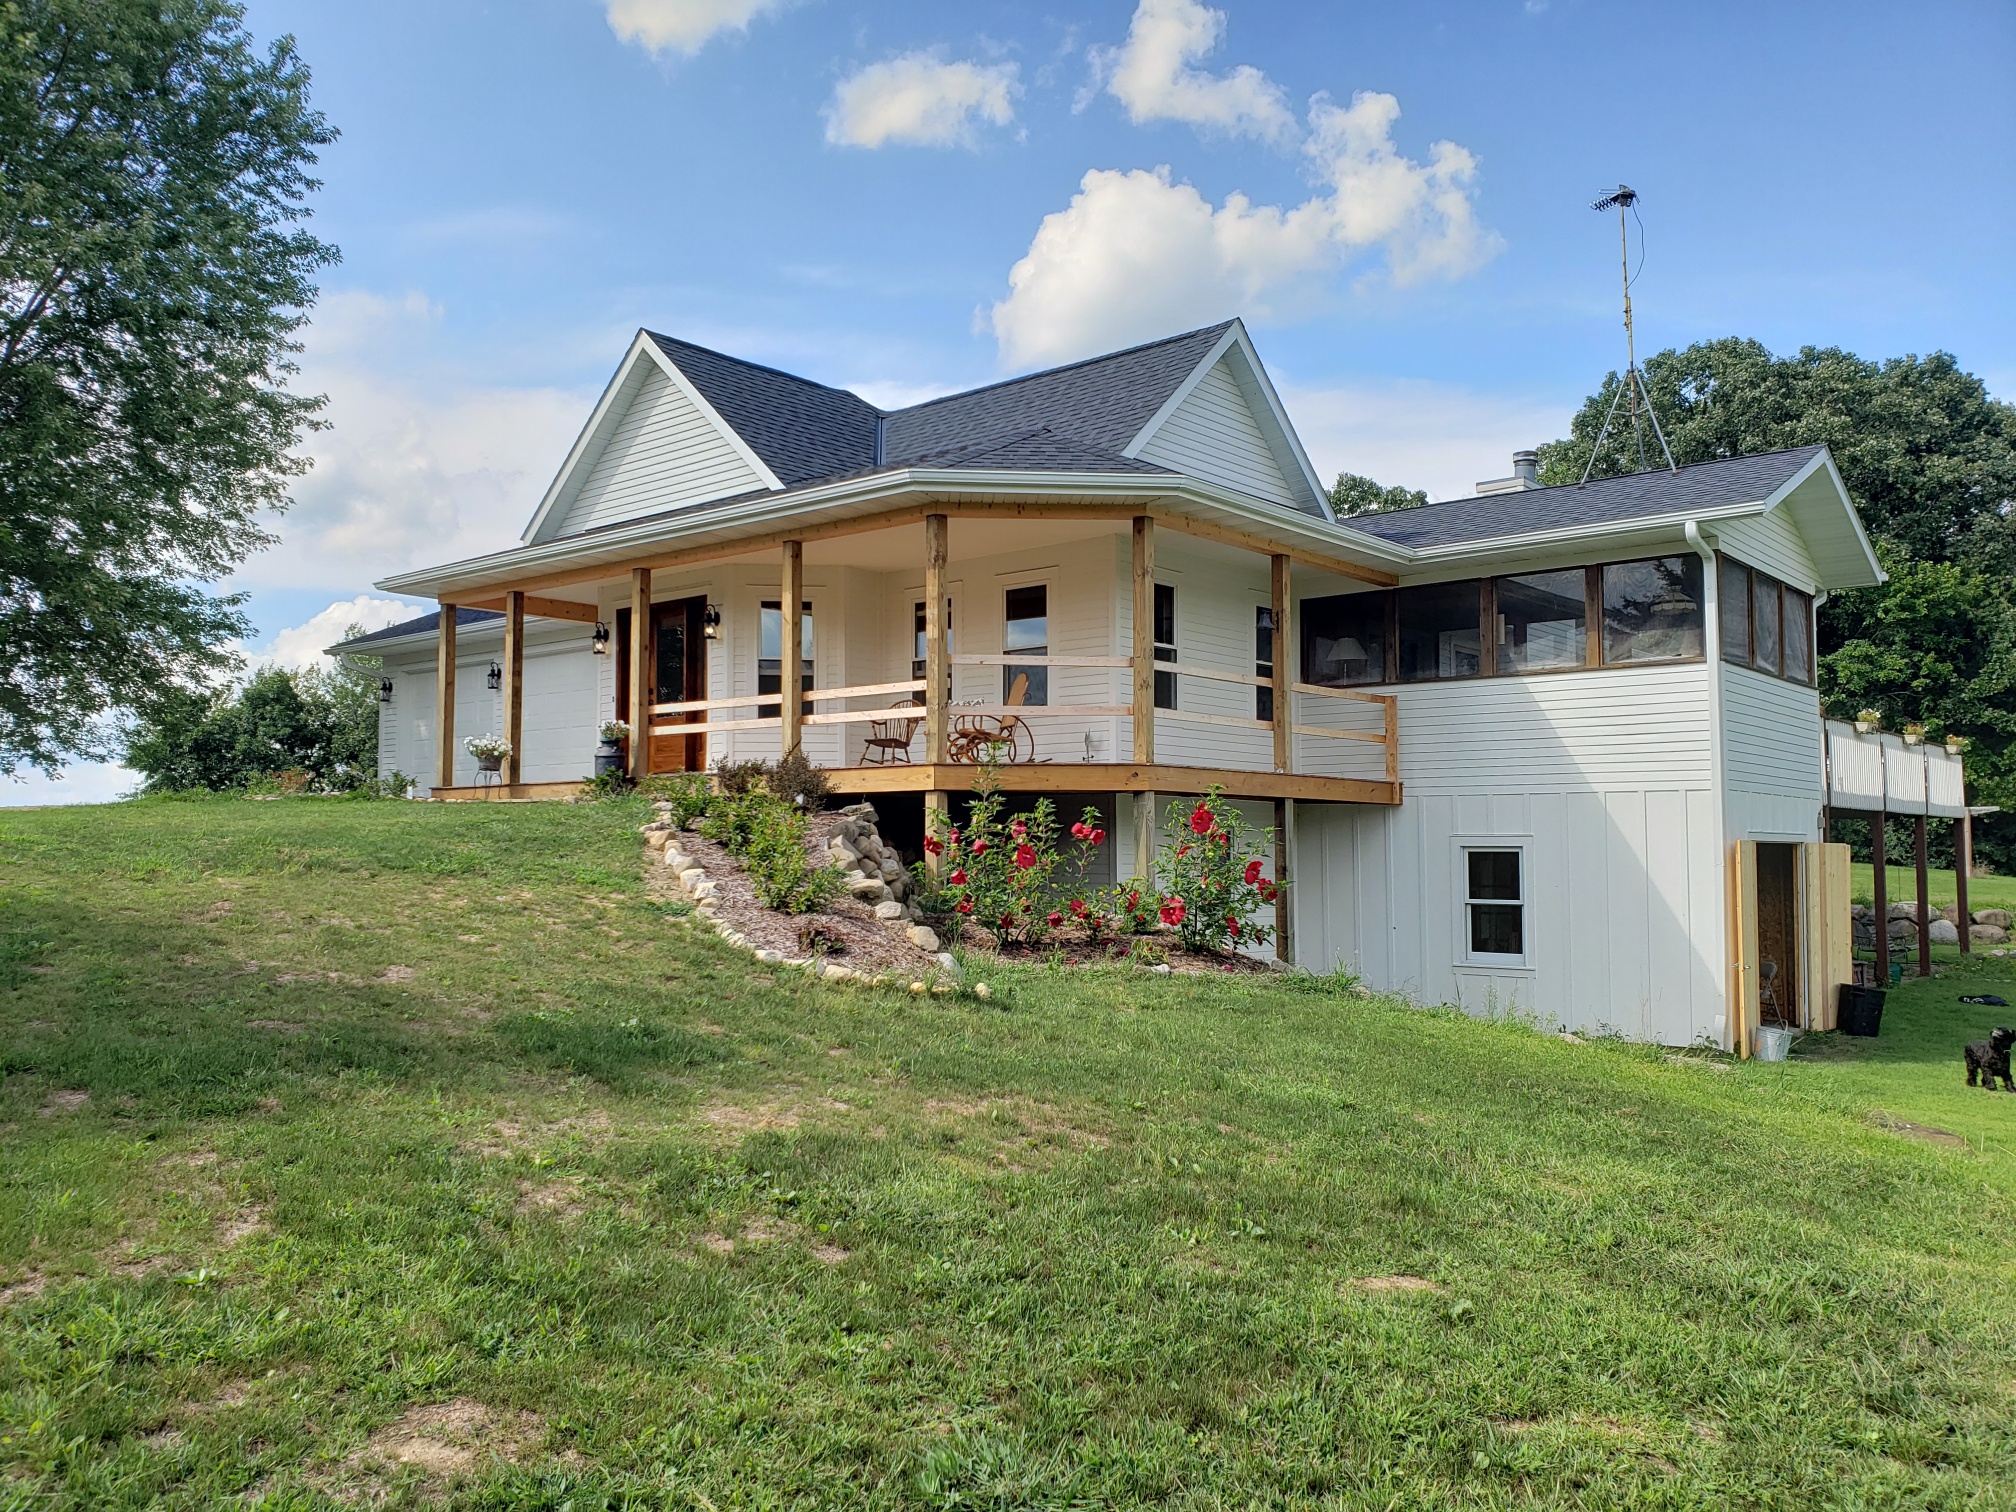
column 1212, row 881
column 1001, row 873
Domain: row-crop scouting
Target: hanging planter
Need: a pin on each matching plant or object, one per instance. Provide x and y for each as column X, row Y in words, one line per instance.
column 1868, row 722
column 1914, row 734
column 489, row 751
column 1955, row 744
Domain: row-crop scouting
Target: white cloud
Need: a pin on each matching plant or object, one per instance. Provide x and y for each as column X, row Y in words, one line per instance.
column 1150, row 74
column 421, row 463
column 1135, row 255
column 660, row 26
column 301, row 645
column 84, row 782
column 918, row 100
column 1431, row 436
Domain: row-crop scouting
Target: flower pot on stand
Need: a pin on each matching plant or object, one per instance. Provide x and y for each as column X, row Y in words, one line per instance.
column 489, row 763
column 608, row 758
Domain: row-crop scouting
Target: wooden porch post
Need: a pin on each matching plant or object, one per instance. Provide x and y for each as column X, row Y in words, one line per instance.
column 1284, row 871
column 791, row 648
column 1142, row 706
column 1879, row 871
column 1963, row 863
column 1284, row 672
column 937, row 671
column 642, row 692
column 1924, row 898
column 444, row 699
column 514, row 686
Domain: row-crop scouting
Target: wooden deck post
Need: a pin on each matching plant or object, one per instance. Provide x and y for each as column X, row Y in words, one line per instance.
column 1284, row 672
column 1963, row 863
column 937, row 674
column 1924, row 897
column 1284, row 870
column 1879, row 873
column 444, row 699
column 514, row 686
column 642, row 689
column 791, row 649
column 1142, row 704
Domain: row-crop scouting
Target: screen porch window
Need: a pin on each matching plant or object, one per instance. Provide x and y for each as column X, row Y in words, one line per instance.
column 1495, row 905
column 1734, row 607
column 1026, row 633
column 1652, row 610
column 1263, row 659
column 1438, row 631
column 1543, row 625
column 770, row 655
column 1798, row 637
column 1165, row 644
column 1764, row 625
column 1344, row 639
column 917, row 644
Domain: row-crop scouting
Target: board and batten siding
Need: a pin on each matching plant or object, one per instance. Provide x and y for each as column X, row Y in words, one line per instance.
column 662, row 453
column 1604, row 780
column 1772, row 772
column 1213, row 435
column 1772, row 544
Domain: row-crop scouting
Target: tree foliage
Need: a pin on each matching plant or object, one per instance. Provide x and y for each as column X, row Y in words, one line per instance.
column 1354, row 494
column 321, row 723
column 1929, row 458
column 153, row 272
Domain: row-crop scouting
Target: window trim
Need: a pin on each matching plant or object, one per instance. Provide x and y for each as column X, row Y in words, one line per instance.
column 1161, row 650
column 1464, row 955
column 1008, row 669
column 1263, row 623
column 1811, row 678
column 1592, row 639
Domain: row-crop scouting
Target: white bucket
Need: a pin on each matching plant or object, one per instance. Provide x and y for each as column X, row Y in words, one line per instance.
column 1774, row 1042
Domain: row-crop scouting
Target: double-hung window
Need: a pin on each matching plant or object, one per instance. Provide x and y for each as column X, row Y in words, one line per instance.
column 1494, row 906
column 770, row 655
column 917, row 649
column 1026, row 633
column 1165, row 644
column 1263, row 660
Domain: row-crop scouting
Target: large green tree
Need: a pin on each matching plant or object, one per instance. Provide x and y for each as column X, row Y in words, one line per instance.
column 1929, row 458
column 1356, row 494
column 154, row 168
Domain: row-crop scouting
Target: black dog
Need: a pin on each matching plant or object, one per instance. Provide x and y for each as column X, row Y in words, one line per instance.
column 1989, row 1059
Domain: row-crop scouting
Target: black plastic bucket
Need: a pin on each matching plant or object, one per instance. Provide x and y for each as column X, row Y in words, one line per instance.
column 1861, row 1011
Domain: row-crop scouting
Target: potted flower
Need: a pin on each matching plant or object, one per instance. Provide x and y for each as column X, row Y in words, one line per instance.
column 1914, row 734
column 1955, row 744
column 609, row 754
column 1868, row 722
column 489, row 751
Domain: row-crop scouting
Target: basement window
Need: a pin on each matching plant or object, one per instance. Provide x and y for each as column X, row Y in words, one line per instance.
column 1495, row 906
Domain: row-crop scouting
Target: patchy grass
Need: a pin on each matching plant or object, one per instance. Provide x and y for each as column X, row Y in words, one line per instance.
column 401, row 1155
column 1901, row 886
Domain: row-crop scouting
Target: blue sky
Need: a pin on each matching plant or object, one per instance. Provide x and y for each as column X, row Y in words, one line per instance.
column 846, row 190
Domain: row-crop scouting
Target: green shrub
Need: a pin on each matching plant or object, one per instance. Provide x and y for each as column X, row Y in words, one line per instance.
column 799, row 783
column 735, row 778
column 732, row 818
column 689, row 793
column 784, row 875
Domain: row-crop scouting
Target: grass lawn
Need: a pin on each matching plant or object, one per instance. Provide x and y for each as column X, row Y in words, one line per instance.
column 412, row 1155
column 1901, row 884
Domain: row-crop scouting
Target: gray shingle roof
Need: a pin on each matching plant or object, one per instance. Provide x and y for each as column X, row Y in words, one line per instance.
column 426, row 624
column 1602, row 501
column 1046, row 451
column 803, row 430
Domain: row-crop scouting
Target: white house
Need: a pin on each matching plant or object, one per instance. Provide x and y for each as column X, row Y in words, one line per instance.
column 1547, row 750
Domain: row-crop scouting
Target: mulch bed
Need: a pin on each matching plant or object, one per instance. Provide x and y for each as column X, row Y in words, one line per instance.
column 1079, row 949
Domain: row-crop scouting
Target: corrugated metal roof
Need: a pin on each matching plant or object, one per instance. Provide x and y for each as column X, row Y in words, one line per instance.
column 1602, row 501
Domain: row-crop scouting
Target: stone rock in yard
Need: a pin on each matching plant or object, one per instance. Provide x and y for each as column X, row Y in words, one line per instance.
column 691, row 878
column 950, row 963
column 892, row 869
column 860, row 811
column 1859, row 910
column 836, row 973
column 1903, row 929
column 924, row 937
column 1988, row 934
column 1999, row 917
column 706, row 890
column 1905, row 910
column 677, row 860
column 770, row 957
column 1944, row 932
column 889, row 909
column 868, row 889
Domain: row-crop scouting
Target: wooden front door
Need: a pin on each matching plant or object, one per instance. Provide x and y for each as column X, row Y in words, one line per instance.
column 678, row 658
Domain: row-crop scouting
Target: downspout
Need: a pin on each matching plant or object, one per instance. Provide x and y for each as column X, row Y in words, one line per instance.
column 1711, row 637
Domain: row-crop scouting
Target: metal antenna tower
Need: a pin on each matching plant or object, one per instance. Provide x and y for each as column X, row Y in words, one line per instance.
column 1633, row 387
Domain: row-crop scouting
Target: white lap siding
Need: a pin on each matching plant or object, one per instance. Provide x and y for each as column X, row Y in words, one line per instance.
column 1772, row 749
column 1604, row 781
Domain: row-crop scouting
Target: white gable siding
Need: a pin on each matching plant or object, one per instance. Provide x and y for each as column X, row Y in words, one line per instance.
column 1771, row 543
column 663, row 452
column 1213, row 435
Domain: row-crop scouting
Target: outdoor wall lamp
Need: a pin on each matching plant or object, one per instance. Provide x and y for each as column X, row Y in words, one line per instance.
column 601, row 642
column 710, row 622
column 496, row 677
column 384, row 690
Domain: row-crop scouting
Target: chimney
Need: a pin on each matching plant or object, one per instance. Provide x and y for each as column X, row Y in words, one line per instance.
column 1525, row 475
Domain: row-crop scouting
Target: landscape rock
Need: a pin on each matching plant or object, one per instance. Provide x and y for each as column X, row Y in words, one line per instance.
column 705, row 890
column 923, row 936
column 1904, row 929
column 889, row 909
column 677, row 859
column 834, row 972
column 656, row 838
column 951, row 964
column 770, row 957
column 1944, row 932
column 1904, row 910
column 1988, row 934
column 869, row 889
column 691, row 878
column 1999, row 917
column 1859, row 910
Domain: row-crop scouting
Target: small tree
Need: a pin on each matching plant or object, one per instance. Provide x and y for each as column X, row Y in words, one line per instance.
column 1211, row 875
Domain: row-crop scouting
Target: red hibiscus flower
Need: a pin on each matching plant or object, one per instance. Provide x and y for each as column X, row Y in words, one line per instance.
column 1253, row 873
column 1172, row 911
column 957, row 877
column 1269, row 892
column 934, row 847
column 1025, row 857
column 1096, row 837
column 1055, row 919
column 1078, row 909
column 1133, row 900
column 981, row 847
column 965, row 906
column 1232, row 922
column 1078, row 830
column 1018, row 829
column 1200, row 819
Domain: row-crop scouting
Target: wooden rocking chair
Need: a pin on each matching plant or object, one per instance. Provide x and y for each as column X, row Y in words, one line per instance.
column 888, row 742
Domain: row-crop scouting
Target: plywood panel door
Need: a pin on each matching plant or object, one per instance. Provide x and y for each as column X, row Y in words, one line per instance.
column 1828, row 930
